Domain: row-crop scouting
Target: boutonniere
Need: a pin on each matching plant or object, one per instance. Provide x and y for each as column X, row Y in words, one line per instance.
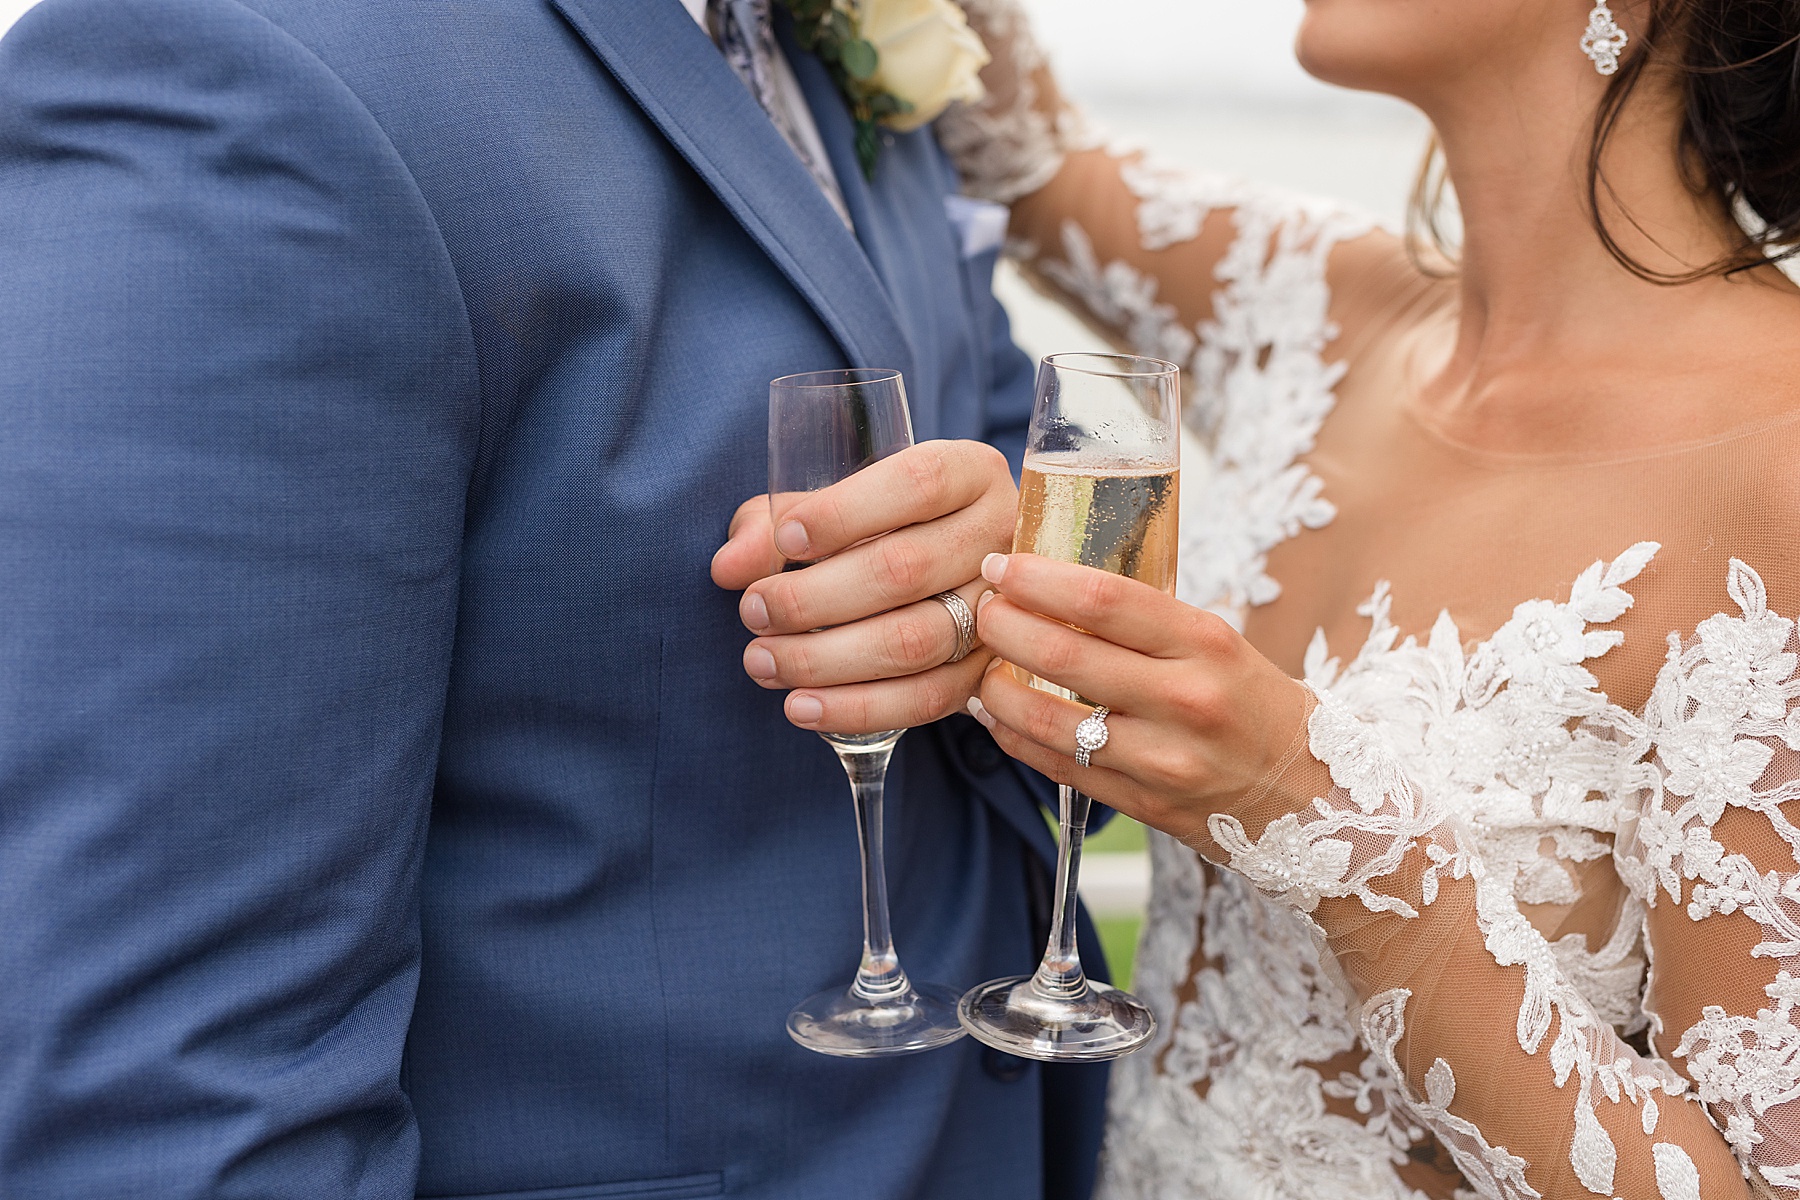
column 899, row 63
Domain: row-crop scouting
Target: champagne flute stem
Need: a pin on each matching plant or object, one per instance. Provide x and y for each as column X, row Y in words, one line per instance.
column 879, row 978
column 1060, row 974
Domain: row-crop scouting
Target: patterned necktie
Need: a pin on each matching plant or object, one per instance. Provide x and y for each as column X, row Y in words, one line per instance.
column 746, row 34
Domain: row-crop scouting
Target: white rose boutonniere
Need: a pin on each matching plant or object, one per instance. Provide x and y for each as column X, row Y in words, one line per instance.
column 929, row 57
column 899, row 63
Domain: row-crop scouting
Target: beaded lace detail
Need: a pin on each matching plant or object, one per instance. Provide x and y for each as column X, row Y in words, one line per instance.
column 1511, row 742
column 1726, row 727
column 1524, row 752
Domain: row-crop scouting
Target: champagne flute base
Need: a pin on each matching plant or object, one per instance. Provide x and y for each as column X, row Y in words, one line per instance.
column 1020, row 1017
column 843, row 1024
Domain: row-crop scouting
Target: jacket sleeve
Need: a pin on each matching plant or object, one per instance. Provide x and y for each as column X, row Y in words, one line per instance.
column 238, row 409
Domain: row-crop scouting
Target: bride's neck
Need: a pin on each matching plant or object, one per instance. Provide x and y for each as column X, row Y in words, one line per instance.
column 1541, row 293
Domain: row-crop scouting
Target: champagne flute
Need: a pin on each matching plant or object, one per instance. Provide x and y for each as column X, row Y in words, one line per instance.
column 823, row 428
column 1101, row 487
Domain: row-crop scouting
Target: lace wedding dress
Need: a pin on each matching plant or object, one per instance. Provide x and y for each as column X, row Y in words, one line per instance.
column 1520, row 916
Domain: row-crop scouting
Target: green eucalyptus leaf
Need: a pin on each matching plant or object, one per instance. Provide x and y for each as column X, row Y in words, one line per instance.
column 859, row 58
column 868, row 147
column 831, row 34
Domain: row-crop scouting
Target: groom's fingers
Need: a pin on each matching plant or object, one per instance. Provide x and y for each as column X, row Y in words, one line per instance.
column 919, row 484
column 902, row 568
column 906, row 641
column 749, row 551
column 889, row 704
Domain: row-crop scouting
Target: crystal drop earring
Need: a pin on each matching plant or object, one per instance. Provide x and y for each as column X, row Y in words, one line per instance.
column 1603, row 40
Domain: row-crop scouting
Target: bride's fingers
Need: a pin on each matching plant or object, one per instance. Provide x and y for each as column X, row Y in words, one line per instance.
column 1123, row 611
column 1068, row 657
column 1102, row 783
column 1108, row 787
column 1050, row 721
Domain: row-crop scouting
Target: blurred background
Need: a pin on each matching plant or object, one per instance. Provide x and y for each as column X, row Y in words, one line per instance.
column 1210, row 84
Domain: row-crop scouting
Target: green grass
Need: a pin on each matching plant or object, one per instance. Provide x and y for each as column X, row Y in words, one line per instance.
column 1122, row 835
column 1119, row 935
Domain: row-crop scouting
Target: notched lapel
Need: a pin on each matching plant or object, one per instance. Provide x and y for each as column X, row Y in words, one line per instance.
column 660, row 57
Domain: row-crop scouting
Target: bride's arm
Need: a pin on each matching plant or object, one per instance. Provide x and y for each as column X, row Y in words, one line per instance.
column 1498, row 1051
column 1145, row 252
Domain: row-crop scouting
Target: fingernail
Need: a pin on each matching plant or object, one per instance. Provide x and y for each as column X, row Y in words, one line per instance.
column 759, row 663
column 754, row 612
column 792, row 541
column 993, row 568
column 805, row 710
column 979, row 711
column 983, row 602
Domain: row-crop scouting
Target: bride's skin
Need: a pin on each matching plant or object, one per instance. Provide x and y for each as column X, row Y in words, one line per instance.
column 1546, row 323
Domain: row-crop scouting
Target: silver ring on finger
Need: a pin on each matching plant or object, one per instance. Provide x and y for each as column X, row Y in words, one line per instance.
column 1091, row 735
column 959, row 611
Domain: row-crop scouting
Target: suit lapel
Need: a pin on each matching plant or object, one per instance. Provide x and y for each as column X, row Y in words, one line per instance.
column 661, row 57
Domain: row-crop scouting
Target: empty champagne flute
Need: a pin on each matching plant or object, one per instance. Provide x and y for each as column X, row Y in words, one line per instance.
column 823, row 428
column 1101, row 487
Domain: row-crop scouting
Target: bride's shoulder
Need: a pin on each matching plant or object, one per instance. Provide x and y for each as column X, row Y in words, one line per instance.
column 1382, row 286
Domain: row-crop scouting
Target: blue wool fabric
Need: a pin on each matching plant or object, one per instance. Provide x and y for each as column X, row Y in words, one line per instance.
column 383, row 806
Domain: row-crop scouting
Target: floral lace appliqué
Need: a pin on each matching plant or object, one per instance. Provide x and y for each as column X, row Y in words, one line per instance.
column 1492, row 763
column 1727, row 729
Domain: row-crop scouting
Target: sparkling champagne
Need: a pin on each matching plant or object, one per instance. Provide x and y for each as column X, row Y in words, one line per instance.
column 1120, row 519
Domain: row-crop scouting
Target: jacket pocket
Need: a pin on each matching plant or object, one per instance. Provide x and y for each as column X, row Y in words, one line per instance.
column 685, row 1187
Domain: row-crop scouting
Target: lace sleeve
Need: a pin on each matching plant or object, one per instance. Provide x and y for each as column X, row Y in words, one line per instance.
column 1716, row 855
column 1489, row 1040
column 1171, row 263
column 1014, row 140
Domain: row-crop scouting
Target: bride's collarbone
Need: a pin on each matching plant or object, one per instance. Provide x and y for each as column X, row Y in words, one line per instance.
column 1627, row 389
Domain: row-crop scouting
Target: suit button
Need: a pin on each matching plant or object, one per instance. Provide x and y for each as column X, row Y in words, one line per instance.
column 979, row 751
column 1007, row 1068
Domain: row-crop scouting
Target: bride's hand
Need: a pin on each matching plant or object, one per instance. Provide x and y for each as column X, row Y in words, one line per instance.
column 1198, row 717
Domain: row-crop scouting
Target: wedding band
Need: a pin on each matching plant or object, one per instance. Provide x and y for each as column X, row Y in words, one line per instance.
column 1092, row 735
column 959, row 611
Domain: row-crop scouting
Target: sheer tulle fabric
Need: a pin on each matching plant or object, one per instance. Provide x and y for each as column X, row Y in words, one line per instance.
column 1556, row 738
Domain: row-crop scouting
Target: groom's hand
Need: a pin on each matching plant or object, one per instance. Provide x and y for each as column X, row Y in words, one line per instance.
column 856, row 635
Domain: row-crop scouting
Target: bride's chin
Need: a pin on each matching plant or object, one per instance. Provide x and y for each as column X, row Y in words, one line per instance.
column 1368, row 45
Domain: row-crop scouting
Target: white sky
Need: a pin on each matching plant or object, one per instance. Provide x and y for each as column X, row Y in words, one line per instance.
column 1212, row 48
column 10, row 10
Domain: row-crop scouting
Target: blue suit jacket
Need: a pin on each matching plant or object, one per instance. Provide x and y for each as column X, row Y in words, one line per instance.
column 382, row 804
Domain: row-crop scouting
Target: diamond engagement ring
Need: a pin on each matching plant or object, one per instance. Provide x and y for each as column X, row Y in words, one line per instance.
column 958, row 608
column 1091, row 735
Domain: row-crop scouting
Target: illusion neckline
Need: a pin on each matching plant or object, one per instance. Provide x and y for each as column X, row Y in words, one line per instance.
column 1526, row 460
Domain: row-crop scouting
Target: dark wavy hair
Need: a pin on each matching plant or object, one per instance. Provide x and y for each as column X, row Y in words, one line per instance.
column 1738, row 63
